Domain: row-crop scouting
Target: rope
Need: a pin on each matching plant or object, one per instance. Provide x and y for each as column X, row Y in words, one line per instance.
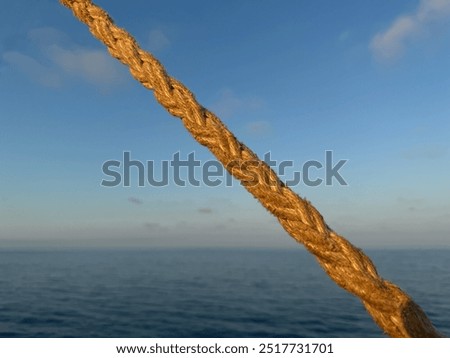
column 392, row 309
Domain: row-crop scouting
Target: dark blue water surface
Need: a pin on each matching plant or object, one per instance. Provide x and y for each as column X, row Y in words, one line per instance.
column 202, row 293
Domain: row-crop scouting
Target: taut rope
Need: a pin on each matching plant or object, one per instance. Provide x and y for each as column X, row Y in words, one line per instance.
column 392, row 309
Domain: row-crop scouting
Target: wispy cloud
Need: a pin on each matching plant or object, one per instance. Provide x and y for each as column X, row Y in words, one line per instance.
column 158, row 40
column 36, row 71
column 135, row 201
column 46, row 36
column 228, row 103
column 389, row 44
column 94, row 66
column 259, row 128
column 344, row 36
column 412, row 204
column 155, row 227
column 205, row 210
column 53, row 59
column 427, row 152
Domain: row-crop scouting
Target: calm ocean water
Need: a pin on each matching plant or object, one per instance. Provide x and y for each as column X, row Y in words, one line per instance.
column 202, row 293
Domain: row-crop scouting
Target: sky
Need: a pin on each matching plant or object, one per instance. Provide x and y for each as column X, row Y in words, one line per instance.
column 367, row 80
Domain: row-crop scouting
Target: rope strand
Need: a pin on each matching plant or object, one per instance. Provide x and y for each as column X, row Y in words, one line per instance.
column 392, row 309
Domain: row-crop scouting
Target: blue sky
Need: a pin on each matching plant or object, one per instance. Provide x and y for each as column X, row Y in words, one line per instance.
column 368, row 80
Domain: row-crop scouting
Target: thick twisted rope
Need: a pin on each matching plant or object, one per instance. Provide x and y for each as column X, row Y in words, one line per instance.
column 392, row 309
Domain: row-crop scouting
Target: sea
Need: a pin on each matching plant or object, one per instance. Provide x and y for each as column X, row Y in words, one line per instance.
column 196, row 293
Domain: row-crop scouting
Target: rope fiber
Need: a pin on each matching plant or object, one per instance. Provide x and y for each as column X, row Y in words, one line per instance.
column 391, row 308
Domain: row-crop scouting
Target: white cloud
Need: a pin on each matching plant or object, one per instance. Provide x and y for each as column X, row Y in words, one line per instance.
column 259, row 128
column 56, row 60
column 229, row 103
column 33, row 69
column 46, row 36
column 344, row 36
column 157, row 40
column 94, row 66
column 391, row 43
column 427, row 152
column 430, row 10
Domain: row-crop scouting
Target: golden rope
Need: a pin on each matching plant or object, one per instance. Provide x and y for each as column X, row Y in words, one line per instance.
column 392, row 309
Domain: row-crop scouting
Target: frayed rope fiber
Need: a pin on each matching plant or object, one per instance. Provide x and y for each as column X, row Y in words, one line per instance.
column 392, row 309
